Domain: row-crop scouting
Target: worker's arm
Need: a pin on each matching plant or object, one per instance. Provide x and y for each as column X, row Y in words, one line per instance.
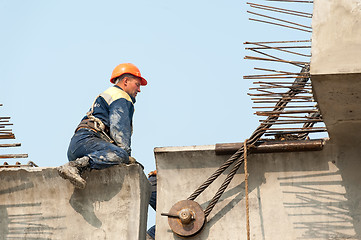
column 120, row 123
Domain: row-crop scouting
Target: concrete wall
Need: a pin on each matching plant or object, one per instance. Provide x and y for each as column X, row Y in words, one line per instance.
column 300, row 195
column 336, row 67
column 36, row 203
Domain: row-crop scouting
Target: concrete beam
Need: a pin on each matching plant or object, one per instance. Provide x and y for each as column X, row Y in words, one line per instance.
column 272, row 146
column 339, row 99
column 36, row 203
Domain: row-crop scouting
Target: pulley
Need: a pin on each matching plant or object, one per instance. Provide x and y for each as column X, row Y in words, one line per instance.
column 186, row 218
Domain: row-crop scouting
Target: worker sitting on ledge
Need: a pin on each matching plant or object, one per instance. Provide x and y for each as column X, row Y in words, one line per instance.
column 102, row 139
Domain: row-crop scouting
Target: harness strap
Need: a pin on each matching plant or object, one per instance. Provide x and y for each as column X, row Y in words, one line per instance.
column 93, row 125
column 88, row 124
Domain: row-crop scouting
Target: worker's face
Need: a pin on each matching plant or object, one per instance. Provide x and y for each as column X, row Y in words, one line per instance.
column 132, row 86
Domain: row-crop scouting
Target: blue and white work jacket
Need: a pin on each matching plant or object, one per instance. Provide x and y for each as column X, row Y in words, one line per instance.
column 115, row 108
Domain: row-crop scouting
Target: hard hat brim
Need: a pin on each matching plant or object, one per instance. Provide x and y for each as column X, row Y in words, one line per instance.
column 143, row 82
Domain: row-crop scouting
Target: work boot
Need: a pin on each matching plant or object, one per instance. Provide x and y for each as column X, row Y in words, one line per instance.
column 72, row 171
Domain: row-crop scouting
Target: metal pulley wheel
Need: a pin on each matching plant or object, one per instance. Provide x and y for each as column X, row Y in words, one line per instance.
column 186, row 218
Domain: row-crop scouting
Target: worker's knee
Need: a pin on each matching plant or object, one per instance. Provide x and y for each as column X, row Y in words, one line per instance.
column 105, row 159
column 117, row 157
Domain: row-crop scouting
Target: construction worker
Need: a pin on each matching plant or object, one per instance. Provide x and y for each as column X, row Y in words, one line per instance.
column 103, row 137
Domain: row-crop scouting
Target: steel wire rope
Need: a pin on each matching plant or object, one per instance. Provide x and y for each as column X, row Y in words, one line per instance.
column 238, row 157
column 223, row 187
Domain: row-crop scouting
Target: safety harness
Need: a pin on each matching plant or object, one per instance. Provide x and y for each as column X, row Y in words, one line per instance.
column 95, row 124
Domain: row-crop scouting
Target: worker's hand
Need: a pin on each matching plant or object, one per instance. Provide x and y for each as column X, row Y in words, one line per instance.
column 132, row 160
column 152, row 173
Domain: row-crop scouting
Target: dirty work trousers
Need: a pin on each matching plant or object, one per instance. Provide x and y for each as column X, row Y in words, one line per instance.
column 153, row 200
column 102, row 153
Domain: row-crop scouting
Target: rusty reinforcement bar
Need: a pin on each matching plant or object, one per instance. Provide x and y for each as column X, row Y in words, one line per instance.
column 273, row 146
column 19, row 165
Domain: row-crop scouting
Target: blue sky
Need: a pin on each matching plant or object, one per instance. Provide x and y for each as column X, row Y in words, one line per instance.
column 57, row 56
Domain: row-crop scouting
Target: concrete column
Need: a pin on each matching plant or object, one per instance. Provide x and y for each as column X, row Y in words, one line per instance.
column 336, row 66
column 336, row 37
column 36, row 203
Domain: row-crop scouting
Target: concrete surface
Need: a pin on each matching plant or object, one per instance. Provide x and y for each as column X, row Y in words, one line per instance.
column 336, row 67
column 300, row 195
column 339, row 100
column 336, row 37
column 36, row 203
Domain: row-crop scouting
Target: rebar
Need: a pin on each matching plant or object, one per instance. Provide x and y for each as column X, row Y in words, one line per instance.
column 295, row 1
column 269, row 42
column 238, row 156
column 285, row 107
column 264, row 47
column 280, row 10
column 11, row 145
column 281, row 93
column 270, row 133
column 280, row 20
column 14, row 156
column 6, row 133
column 278, row 24
column 275, row 60
column 280, row 47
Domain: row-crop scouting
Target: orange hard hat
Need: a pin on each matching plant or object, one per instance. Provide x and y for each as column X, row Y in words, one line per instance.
column 127, row 68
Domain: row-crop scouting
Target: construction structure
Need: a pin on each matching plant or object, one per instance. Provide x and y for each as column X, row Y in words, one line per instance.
column 290, row 187
column 280, row 183
column 7, row 134
column 36, row 203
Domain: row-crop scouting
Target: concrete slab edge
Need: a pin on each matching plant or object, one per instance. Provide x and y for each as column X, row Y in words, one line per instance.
column 185, row 148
